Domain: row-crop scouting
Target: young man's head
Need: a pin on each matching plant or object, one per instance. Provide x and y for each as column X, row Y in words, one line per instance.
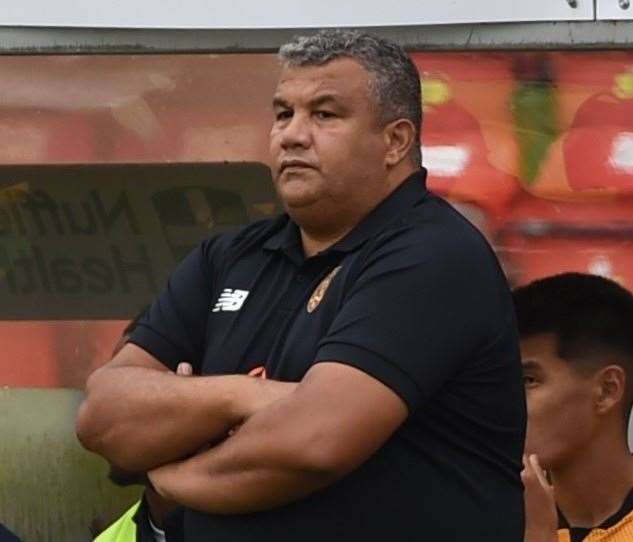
column 576, row 335
column 347, row 121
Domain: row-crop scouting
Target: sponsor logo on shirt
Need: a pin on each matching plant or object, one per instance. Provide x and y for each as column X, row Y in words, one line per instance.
column 230, row 300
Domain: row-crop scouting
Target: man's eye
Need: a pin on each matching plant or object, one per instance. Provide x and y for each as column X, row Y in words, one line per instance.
column 529, row 381
column 323, row 115
column 283, row 115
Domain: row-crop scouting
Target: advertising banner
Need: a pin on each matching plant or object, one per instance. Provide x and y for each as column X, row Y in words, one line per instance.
column 97, row 242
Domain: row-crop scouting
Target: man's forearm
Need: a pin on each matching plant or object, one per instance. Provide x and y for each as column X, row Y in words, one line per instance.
column 333, row 422
column 140, row 418
column 258, row 468
column 251, row 488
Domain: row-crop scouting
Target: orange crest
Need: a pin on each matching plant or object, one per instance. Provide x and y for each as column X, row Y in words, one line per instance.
column 319, row 293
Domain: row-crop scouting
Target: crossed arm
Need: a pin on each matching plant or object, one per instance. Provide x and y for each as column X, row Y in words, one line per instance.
column 334, row 421
column 139, row 415
column 293, row 439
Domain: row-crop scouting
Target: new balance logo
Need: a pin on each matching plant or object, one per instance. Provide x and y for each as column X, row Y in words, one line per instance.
column 230, row 300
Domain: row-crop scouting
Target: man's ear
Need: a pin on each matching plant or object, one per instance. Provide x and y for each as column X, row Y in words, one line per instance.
column 610, row 388
column 399, row 137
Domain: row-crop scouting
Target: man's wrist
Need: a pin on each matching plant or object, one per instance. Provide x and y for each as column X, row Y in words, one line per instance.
column 236, row 394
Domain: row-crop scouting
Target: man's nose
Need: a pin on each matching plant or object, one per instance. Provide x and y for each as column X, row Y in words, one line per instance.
column 296, row 133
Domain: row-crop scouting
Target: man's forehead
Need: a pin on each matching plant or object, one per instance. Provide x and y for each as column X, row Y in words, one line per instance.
column 537, row 350
column 540, row 353
column 336, row 77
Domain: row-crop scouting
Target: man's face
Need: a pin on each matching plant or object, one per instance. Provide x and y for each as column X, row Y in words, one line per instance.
column 561, row 417
column 327, row 147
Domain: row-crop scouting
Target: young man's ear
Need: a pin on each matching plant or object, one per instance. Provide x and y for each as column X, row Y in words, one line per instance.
column 400, row 137
column 610, row 388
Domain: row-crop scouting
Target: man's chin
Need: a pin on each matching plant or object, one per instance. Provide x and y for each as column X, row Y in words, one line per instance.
column 297, row 197
column 299, row 205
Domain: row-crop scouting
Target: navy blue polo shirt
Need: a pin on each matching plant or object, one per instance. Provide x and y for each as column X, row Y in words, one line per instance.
column 414, row 297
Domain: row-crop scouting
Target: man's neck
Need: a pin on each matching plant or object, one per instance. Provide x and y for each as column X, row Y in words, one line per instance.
column 318, row 234
column 593, row 486
column 312, row 245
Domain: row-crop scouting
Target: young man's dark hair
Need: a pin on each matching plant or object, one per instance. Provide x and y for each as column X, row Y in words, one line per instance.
column 577, row 353
column 591, row 318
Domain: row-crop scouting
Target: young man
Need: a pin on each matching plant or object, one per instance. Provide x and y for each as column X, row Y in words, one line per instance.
column 577, row 349
column 387, row 308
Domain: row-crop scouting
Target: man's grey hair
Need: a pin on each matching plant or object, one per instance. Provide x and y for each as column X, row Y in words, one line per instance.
column 394, row 82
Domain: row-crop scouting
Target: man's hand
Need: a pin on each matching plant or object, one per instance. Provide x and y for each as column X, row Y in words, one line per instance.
column 541, row 518
column 125, row 478
column 139, row 415
column 184, row 369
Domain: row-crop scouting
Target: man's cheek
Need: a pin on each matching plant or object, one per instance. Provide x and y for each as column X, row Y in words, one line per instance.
column 538, row 424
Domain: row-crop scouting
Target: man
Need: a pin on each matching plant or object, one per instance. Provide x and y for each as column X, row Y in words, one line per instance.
column 577, row 350
column 387, row 308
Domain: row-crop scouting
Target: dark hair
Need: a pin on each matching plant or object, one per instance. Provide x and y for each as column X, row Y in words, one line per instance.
column 393, row 78
column 590, row 316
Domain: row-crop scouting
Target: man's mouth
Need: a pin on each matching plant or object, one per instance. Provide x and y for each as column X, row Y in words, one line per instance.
column 295, row 163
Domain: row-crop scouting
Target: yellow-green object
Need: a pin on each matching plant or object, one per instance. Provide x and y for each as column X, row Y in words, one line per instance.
column 123, row 529
column 534, row 106
column 535, row 124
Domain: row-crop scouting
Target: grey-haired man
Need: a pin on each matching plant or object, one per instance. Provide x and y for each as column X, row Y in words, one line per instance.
column 393, row 405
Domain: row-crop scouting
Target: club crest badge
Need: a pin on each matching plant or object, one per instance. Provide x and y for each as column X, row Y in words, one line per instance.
column 319, row 293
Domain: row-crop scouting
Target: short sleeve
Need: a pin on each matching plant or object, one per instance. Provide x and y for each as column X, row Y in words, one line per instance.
column 422, row 307
column 174, row 328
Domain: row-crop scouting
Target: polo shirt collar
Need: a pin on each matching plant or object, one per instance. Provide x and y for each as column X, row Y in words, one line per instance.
column 408, row 194
column 286, row 235
column 412, row 190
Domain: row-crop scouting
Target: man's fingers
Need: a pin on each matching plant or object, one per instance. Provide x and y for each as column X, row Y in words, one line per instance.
column 538, row 471
column 528, row 477
column 184, row 369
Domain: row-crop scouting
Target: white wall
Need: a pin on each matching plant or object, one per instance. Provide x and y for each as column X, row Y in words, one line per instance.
column 614, row 9
column 258, row 14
